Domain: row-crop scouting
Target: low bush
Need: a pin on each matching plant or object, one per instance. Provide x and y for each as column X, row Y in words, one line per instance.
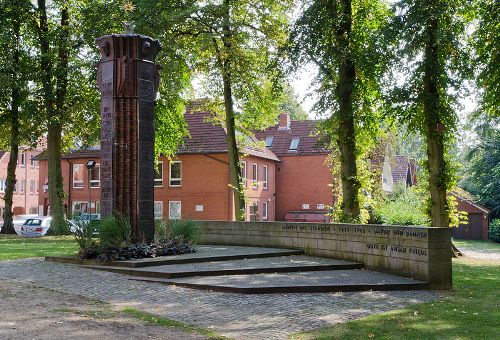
column 186, row 230
column 494, row 230
column 401, row 208
column 114, row 231
column 84, row 235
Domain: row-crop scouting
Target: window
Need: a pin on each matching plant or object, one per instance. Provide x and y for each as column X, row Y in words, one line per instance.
column 264, row 211
column 32, row 162
column 158, row 210
column 3, row 185
column 255, row 175
column 77, row 176
column 175, row 174
column 159, row 175
column 36, row 187
column 198, row 208
column 95, row 176
column 254, row 212
column 23, row 185
column 320, row 206
column 23, row 158
column 32, row 186
column 264, row 180
column 174, row 210
column 33, row 210
column 78, row 208
column 305, row 206
column 269, row 141
column 244, row 172
column 294, row 145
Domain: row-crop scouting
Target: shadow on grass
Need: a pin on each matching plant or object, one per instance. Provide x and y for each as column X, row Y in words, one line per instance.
column 470, row 311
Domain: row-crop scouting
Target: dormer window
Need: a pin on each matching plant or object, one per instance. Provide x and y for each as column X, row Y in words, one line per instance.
column 269, row 141
column 294, row 145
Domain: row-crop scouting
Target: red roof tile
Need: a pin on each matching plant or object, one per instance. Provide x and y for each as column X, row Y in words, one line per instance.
column 400, row 167
column 310, row 143
column 205, row 136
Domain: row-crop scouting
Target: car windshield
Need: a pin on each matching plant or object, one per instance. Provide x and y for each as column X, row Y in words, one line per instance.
column 28, row 221
column 35, row 222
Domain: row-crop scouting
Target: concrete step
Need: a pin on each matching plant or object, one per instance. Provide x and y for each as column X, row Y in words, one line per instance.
column 301, row 282
column 281, row 264
column 205, row 253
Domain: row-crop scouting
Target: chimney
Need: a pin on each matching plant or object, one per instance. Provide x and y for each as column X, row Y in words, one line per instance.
column 284, row 121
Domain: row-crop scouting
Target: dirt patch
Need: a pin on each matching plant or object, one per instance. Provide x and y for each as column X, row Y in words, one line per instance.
column 30, row 312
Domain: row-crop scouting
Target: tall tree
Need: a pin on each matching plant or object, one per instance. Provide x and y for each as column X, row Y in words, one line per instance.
column 434, row 63
column 15, row 72
column 53, row 39
column 344, row 39
column 487, row 44
column 231, row 44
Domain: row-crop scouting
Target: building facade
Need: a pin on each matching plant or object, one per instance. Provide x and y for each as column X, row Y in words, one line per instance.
column 194, row 185
column 27, row 187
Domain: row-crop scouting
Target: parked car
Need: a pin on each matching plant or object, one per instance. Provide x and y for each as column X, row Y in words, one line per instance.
column 38, row 226
column 18, row 221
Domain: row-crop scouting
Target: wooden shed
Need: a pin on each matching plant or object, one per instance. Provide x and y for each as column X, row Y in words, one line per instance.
column 478, row 220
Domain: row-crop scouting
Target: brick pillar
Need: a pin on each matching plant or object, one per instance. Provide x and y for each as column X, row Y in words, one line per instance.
column 128, row 81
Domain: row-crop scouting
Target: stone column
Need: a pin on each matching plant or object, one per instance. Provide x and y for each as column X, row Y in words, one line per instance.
column 128, row 81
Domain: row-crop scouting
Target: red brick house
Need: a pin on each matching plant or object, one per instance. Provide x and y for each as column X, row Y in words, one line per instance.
column 303, row 179
column 194, row 185
column 478, row 217
column 25, row 199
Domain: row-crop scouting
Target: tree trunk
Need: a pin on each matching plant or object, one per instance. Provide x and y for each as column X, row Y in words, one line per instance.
column 54, row 105
column 8, row 226
column 346, row 135
column 435, row 130
column 232, row 147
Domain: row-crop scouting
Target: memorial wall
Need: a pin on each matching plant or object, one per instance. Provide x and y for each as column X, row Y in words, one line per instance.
column 422, row 253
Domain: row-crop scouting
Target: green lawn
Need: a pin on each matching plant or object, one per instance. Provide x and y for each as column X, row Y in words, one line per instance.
column 15, row 247
column 485, row 246
column 470, row 311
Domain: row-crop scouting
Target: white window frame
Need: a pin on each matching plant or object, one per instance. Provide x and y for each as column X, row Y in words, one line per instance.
column 170, row 210
column 32, row 162
column 170, row 178
column 23, row 186
column 3, row 184
column 160, row 212
column 291, row 144
column 91, row 181
column 265, row 207
column 255, row 175
column 32, row 186
column 77, row 182
column 266, row 175
column 269, row 141
column 244, row 172
column 157, row 184
column 23, row 158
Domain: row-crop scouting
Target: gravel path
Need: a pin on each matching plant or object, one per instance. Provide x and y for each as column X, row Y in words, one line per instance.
column 481, row 250
column 272, row 316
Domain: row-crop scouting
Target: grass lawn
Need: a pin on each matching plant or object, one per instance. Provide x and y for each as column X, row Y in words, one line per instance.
column 484, row 246
column 470, row 311
column 15, row 247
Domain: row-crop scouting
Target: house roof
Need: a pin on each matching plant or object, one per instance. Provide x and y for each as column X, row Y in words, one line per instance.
column 466, row 196
column 208, row 136
column 400, row 167
column 205, row 136
column 310, row 143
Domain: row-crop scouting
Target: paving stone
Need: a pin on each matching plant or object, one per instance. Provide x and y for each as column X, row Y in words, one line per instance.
column 234, row 315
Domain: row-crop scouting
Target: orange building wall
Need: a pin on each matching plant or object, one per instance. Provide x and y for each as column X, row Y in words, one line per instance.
column 25, row 201
column 299, row 180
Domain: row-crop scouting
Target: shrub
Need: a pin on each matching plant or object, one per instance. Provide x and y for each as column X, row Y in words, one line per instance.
column 84, row 235
column 494, row 230
column 401, row 208
column 180, row 230
column 114, row 231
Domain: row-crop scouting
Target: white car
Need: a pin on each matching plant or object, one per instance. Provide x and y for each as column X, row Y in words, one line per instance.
column 38, row 226
column 19, row 220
